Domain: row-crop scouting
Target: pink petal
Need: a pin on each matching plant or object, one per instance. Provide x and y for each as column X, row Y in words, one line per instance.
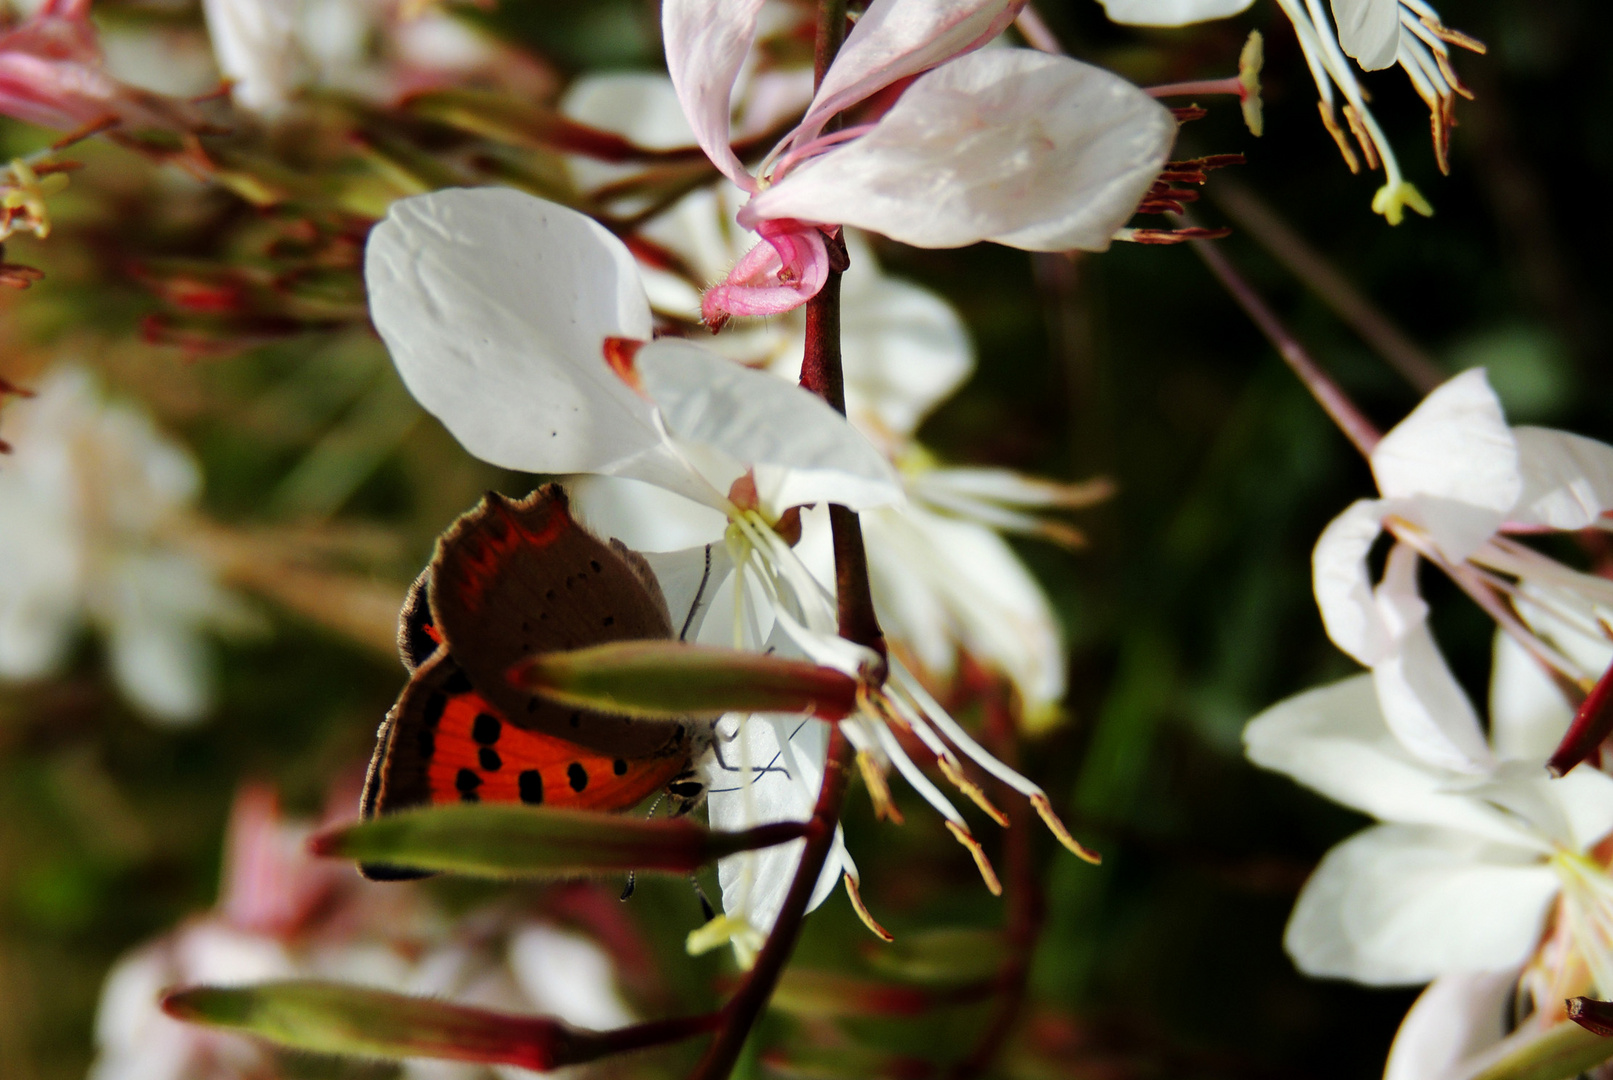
column 706, row 43
column 898, row 38
column 779, row 274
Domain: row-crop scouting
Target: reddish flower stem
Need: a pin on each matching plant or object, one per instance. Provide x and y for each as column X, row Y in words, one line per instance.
column 1228, row 85
column 1283, row 243
column 1328, row 394
column 821, row 373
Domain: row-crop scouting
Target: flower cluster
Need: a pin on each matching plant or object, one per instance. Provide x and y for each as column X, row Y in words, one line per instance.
column 1486, row 876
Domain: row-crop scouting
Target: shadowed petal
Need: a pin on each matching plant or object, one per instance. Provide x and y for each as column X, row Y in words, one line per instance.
column 1457, row 1017
column 1567, row 479
column 898, row 38
column 706, row 44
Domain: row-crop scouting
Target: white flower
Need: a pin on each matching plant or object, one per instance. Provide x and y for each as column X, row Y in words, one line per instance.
column 1452, row 476
column 1376, row 33
column 1010, row 145
column 1461, row 874
column 90, row 503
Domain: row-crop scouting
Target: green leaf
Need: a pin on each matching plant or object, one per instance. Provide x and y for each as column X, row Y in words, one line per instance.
column 665, row 679
column 512, row 841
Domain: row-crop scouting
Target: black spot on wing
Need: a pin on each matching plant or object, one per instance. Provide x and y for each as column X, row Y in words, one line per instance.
column 530, row 783
column 466, row 782
column 577, row 775
column 489, row 760
column 486, row 729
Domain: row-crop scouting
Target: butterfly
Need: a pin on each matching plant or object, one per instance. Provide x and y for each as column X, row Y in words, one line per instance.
column 509, row 579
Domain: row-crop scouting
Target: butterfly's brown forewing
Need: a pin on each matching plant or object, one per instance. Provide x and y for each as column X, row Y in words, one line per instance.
column 517, row 577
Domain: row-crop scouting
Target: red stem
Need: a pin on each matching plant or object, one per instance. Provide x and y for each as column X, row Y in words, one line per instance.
column 821, row 373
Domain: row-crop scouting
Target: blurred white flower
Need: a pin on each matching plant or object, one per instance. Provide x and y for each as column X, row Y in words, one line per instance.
column 1454, row 478
column 285, row 914
column 272, row 49
column 91, row 502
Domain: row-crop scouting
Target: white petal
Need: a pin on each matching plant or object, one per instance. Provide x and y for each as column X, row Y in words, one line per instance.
column 1399, row 905
column 1567, row 479
column 904, row 349
column 1033, row 151
column 706, row 44
column 1369, row 31
column 1457, row 1017
column 642, row 108
column 637, row 105
column 689, row 581
column 1334, row 740
column 164, row 671
column 1170, row 12
column 1424, row 706
column 1528, row 714
column 495, row 306
column 1343, row 590
column 1455, row 456
column 941, row 583
column 1586, row 798
column 1562, row 607
column 255, row 42
column 569, row 976
column 644, row 517
column 897, row 38
column 785, row 756
column 802, row 451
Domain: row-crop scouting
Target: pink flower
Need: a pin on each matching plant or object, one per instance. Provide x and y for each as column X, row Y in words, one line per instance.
column 1018, row 147
column 53, row 73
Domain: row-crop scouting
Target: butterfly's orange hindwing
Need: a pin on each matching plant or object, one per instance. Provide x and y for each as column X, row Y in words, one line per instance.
column 481, row 757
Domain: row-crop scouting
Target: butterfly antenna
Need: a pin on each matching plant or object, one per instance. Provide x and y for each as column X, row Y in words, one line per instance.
column 699, row 597
column 705, row 904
